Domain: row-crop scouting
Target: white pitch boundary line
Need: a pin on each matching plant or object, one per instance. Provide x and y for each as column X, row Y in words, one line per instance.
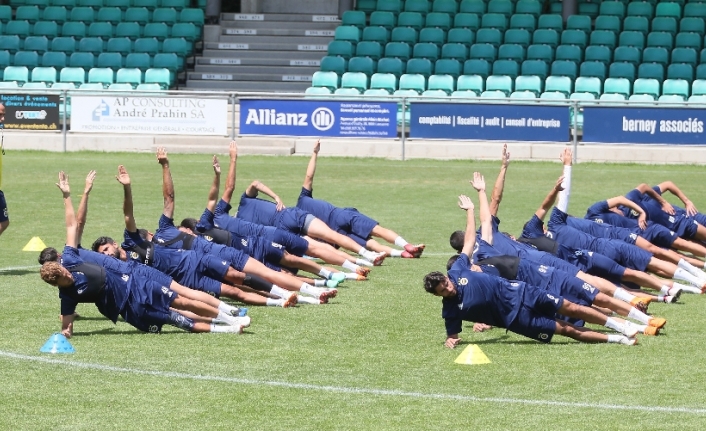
column 349, row 390
column 17, row 268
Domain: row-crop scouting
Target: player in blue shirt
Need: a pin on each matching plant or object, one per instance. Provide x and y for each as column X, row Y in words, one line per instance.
column 521, row 308
column 4, row 216
column 143, row 302
column 350, row 222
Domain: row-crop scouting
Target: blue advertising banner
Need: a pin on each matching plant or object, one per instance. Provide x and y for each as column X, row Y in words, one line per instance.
column 489, row 122
column 318, row 118
column 642, row 125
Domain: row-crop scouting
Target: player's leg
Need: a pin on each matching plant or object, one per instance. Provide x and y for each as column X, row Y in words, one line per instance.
column 393, row 238
column 332, row 256
column 204, row 297
column 586, row 335
column 691, row 247
column 672, row 256
column 207, row 311
column 287, row 281
column 318, row 229
column 291, row 261
column 184, row 320
column 590, row 315
column 670, row 270
column 637, row 299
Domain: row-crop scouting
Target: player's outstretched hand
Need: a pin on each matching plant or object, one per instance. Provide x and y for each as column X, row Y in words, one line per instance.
column 481, row 327
column 317, row 146
column 123, row 177
column 89, row 182
column 162, row 156
column 233, row 150
column 559, row 184
column 465, row 203
column 690, row 208
column 216, row 165
column 280, row 204
column 63, row 183
column 566, row 156
column 478, row 182
column 642, row 221
column 506, row 156
column 669, row 209
column 452, row 342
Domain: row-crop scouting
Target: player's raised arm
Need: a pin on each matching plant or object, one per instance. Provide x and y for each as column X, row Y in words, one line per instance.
column 215, row 185
column 83, row 206
column 550, row 199
column 69, row 214
column 230, row 181
column 486, row 219
column 567, row 159
column 167, row 183
column 672, row 188
column 311, row 168
column 497, row 195
column 124, row 179
column 645, row 189
column 257, row 186
column 622, row 200
column 469, row 239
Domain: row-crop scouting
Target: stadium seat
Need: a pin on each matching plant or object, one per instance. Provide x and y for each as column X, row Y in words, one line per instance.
column 461, row 36
column 140, row 61
column 404, row 34
column 64, row 44
column 93, row 45
column 632, row 38
column 511, row 52
column 132, row 76
column 432, row 35
column 420, row 6
column 668, row 9
column 492, row 36
column 594, row 69
column 446, row 6
column 325, row 79
column 438, row 20
column 468, row 21
column 448, row 66
column 493, row 94
column 540, row 52
column 178, row 46
column 644, row 9
column 82, row 14
column 165, row 60
column 627, row 54
column 507, row 68
column 361, row 64
column 369, row 49
column 413, row 20
column 139, row 15
column 660, row 40
column 564, row 68
column 27, row 13
column 574, row 37
column 130, row 30
column 651, row 71
column 68, row 4
column 529, row 83
column 17, row 74
column 494, row 20
column 501, row 83
column 148, row 45
column 394, row 66
column 483, row 51
column 376, row 34
column 603, row 38
column 612, row 97
column 546, row 37
column 84, row 60
column 445, row 83
column 523, row 22
column 622, row 70
column 104, row 76
column 609, row 23
column 586, row 84
column 113, row 60
column 5, row 13
column 54, row 59
column 122, row 87
column 598, row 53
column 474, row 83
column 413, row 81
column 186, row 30
column 655, row 55
column 676, row 86
column 503, row 7
column 384, row 81
column 664, row 24
column 637, row 23
column 121, row 45
column 693, row 24
column 91, row 3
column 311, row 91
column 419, row 66
column 346, row 92
column 73, row 29
column 26, row 58
column 530, row 7
column 104, row 30
column 400, row 50
column 472, row 6
column 35, row 86
column 679, row 55
column 18, row 28
column 553, row 95
column 522, row 95
column 518, row 37
column 674, row 71
column 357, row 80
column 642, row 98
column 46, row 75
column 192, row 15
column 149, row 4
column 555, row 22
column 382, row 19
column 158, row 30
column 698, row 87
column 569, row 52
column 48, row 29
column 672, row 98
column 341, row 49
column 617, row 86
column 11, row 44
column 455, row 51
column 561, row 84
column 176, row 4
column 476, row 67
column 38, row 44
column 613, row 8
column 647, row 86
column 355, row 18
column 535, row 68
column 688, row 40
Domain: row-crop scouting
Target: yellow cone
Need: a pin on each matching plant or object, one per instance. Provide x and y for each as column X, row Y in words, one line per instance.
column 35, row 244
column 472, row 355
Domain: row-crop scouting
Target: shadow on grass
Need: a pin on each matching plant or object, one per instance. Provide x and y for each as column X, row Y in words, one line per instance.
column 20, row 272
column 107, row 331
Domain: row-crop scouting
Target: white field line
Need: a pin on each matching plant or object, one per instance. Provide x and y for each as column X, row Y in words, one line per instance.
column 350, row 390
column 18, row 268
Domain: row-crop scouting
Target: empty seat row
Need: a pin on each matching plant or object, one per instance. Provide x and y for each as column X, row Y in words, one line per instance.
column 123, row 4
column 115, row 15
column 87, row 60
column 105, row 30
column 76, row 75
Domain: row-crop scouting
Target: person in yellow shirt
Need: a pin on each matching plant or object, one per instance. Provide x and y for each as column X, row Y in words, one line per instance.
column 4, row 218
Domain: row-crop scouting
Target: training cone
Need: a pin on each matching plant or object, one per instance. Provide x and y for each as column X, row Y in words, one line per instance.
column 35, row 244
column 57, row 343
column 472, row 355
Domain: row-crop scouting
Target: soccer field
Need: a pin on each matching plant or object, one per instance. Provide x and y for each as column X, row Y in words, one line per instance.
column 372, row 359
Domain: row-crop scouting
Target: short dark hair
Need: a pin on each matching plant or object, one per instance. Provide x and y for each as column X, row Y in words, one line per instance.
column 100, row 241
column 452, row 260
column 432, row 280
column 49, row 254
column 189, row 223
column 457, row 239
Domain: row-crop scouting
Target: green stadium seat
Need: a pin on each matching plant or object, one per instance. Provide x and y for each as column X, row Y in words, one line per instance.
column 608, row 23
column 612, row 97
column 668, row 9
column 419, row 66
column 85, row 60
column 647, row 86
column 187, row 31
column 535, row 68
column 48, row 29
column 641, row 9
column 632, row 38
column 384, row 81
column 501, row 83
column 122, row 87
column 540, row 52
column 165, row 60
column 546, row 37
column 593, row 69
column 569, row 52
column 10, row 44
column 29, row 59
column 589, row 84
column 622, row 70
column 483, row 51
column 331, row 63
column 438, row 20
column 598, row 53
column 506, row 67
column 446, row 6
column 376, row 34
column 351, row 17
column 93, row 45
column 665, row 24
column 692, row 24
column 341, row 49
column 700, row 99
column 588, row 9
column 478, row 7
column 474, row 83
column 121, row 45
column 456, row 51
column 432, row 35
column 429, row 51
column 532, row 84
column 149, row 4
column 614, row 8
column 523, row 22
column 176, row 45
column 30, row 14
column 564, row 68
column 148, row 45
column 414, row 20
column 420, row 6
column 555, row 22
column 702, row 56
column 17, row 74
column 672, row 98
column 518, row 37
column 617, row 86
column 655, row 55
column 347, row 33
column 122, row 4
column 530, row 7
column 492, row 36
column 357, row 80
column 361, row 64
column 82, row 14
column 139, row 15
column 695, row 10
column 404, row 34
column 447, row 66
column 35, row 86
column 18, row 28
column 679, row 55
column 140, row 61
column 58, row 14
column 577, row 22
column 130, row 30
column 651, row 71
column 324, row 79
column 158, row 30
column 688, row 40
column 698, row 87
column 311, row 91
column 674, row 71
column 366, row 6
column 503, row 7
column 132, row 76
column 494, row 20
column 74, row 29
column 511, row 52
column 91, row 86
column 47, row 75
column 346, row 92
column 574, row 37
column 38, row 44
column 445, row 83
column 636, row 23
column 467, row 20
column 628, row 54
column 54, row 59
column 552, row 95
column 383, row 19
column 701, row 71
column 413, row 81
column 113, row 15
column 64, row 44
column 660, row 39
column 370, row 49
column 400, row 50
column 642, row 98
column 376, row 92
column 523, row 95
column 476, row 66
column 5, row 14
column 101, row 75
column 113, row 60
column 394, row 66
column 493, row 94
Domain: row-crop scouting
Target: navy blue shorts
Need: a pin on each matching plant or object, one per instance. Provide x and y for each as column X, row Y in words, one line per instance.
column 535, row 319
column 292, row 243
column 603, row 266
column 353, row 224
column 236, row 258
column 148, row 306
column 268, row 252
column 690, row 227
column 627, row 255
column 213, row 266
column 553, row 261
column 292, row 220
column 658, row 235
column 4, row 216
column 574, row 289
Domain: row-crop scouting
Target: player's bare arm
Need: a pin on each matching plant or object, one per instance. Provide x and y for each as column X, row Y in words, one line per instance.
column 124, row 178
column 486, row 219
column 258, row 187
column 69, row 214
column 497, row 195
column 167, row 183
column 550, row 199
column 215, row 185
column 311, row 168
column 230, row 181
column 83, row 206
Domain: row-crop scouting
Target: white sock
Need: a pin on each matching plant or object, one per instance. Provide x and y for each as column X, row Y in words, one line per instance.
column 400, row 242
column 396, row 253
column 229, row 309
column 681, row 274
column 222, row 329
column 363, row 251
column 363, row 262
column 612, row 338
column 325, row 273
column 347, row 264
column 614, row 325
column 320, row 283
column 351, row 276
column 274, row 302
column 663, row 298
column 621, row 339
column 640, row 328
column 705, row 265
column 691, row 269
column 638, row 315
column 664, row 290
column 690, row 289
column 309, row 300
column 278, row 291
column 308, row 289
column 224, row 317
column 623, row 295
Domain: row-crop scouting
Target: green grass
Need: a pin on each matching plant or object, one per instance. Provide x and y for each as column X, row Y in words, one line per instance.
column 372, row 359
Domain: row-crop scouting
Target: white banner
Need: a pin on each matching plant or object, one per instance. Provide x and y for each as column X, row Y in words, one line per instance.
column 150, row 115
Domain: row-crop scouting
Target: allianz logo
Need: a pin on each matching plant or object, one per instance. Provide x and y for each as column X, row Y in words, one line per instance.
column 322, row 118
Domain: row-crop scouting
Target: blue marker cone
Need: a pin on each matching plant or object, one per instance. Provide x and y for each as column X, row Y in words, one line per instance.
column 57, row 343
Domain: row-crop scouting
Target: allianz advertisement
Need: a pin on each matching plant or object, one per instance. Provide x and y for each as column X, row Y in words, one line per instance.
column 151, row 115
column 318, row 118
column 489, row 122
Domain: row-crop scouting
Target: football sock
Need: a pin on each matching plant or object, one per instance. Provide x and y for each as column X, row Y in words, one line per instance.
column 278, row 291
column 350, row 265
column 309, row 300
column 400, row 242
column 638, row 315
column 310, row 290
column 274, row 302
column 325, row 273
column 396, row 253
column 623, row 295
column 681, row 274
column 614, row 325
column 227, row 308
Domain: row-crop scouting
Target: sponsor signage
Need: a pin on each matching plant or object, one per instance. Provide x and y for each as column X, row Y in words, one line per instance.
column 318, row 118
column 489, row 121
column 643, row 125
column 31, row 111
column 153, row 115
